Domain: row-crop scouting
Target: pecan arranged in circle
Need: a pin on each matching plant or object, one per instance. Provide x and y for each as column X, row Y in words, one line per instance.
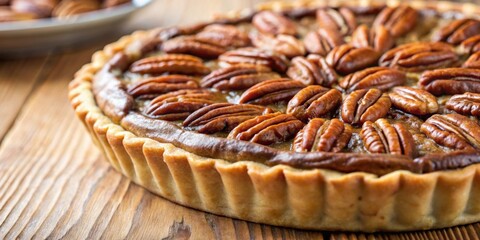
column 415, row 57
column 271, row 91
column 323, row 135
column 466, row 104
column 342, row 20
column 151, row 87
column 413, row 100
column 383, row 137
column 379, row 38
column 453, row 131
column 457, row 31
column 255, row 56
column 471, row 45
column 179, row 104
column 313, row 70
column 170, row 63
column 365, row 105
column 398, row 20
column 313, row 102
column 473, row 61
column 381, row 78
column 191, row 45
column 222, row 117
column 223, row 35
column 451, row 81
column 322, row 41
column 236, row 77
column 347, row 59
column 269, row 22
column 267, row 129
column 286, row 45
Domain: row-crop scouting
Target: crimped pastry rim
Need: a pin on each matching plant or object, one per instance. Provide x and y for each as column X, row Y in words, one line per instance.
column 114, row 139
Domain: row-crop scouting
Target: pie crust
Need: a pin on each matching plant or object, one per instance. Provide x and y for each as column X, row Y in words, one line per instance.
column 329, row 200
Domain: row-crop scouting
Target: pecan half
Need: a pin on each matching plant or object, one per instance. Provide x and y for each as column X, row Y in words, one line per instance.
column 286, row 45
column 473, row 61
column 313, row 70
column 149, row 87
column 322, row 41
column 453, row 131
column 69, row 8
column 269, row 22
column 378, row 38
column 342, row 20
column 323, row 135
column 7, row 15
column 398, row 20
column 383, row 137
column 255, row 56
column 39, row 8
column 381, row 78
column 415, row 57
column 457, row 31
column 314, row 101
column 471, row 45
column 236, row 78
column 170, row 63
column 271, row 91
column 179, row 104
column 413, row 100
column 222, row 117
column 466, row 104
column 267, row 129
column 365, row 105
column 346, row 58
column 223, row 35
column 451, row 81
column 191, row 45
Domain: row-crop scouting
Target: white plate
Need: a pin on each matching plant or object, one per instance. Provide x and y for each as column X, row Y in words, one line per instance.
column 33, row 37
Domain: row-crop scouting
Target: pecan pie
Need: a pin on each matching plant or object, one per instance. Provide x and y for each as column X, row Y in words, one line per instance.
column 337, row 117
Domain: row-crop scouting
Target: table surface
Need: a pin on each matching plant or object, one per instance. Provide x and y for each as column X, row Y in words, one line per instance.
column 55, row 184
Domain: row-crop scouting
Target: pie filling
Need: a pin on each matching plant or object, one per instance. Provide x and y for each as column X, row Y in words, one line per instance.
column 373, row 89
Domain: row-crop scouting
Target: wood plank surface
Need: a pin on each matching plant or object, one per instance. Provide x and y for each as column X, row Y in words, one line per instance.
column 54, row 184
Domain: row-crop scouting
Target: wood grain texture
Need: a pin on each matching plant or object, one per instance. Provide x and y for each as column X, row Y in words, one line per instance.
column 54, row 183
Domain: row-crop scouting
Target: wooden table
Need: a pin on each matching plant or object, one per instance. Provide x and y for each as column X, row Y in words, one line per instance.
column 55, row 184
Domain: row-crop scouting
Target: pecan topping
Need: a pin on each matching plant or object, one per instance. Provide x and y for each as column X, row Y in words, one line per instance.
column 365, row 105
column 342, row 21
column 414, row 101
column 322, row 41
column 313, row 70
column 473, row 61
column 398, row 20
column 236, row 78
column 381, row 78
column 451, row 81
column 378, row 38
column 286, row 45
column 267, row 129
column 383, row 137
column 416, row 57
column 269, row 22
column 149, row 87
column 170, row 63
column 191, row 45
column 271, row 91
column 323, row 135
column 255, row 56
column 457, row 31
column 41, row 9
column 346, row 58
column 471, row 45
column 179, row 104
column 466, row 104
column 314, row 101
column 7, row 15
column 453, row 131
column 223, row 35
column 222, row 117
column 69, row 8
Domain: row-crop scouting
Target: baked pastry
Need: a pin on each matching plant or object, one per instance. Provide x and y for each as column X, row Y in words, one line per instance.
column 341, row 117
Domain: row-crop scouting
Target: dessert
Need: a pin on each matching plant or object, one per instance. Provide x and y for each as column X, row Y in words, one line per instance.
column 339, row 117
